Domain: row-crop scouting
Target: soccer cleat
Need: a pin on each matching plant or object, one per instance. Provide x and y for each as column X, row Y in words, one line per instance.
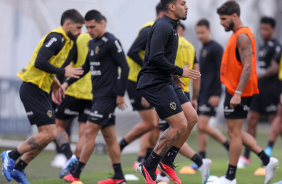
column 223, row 180
column 163, row 179
column 270, row 169
column 77, row 182
column 135, row 165
column 70, row 179
column 243, row 162
column 205, row 170
column 59, row 161
column 143, row 171
column 8, row 165
column 194, row 166
column 279, row 182
column 69, row 166
column 112, row 181
column 170, row 172
column 19, row 176
column 268, row 151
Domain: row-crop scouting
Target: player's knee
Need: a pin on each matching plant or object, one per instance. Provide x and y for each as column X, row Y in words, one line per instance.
column 181, row 127
column 233, row 133
column 51, row 136
column 193, row 120
column 201, row 127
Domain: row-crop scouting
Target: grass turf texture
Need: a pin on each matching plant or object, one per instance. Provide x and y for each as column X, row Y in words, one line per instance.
column 98, row 168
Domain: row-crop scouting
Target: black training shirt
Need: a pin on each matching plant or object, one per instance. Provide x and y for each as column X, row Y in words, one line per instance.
column 104, row 58
column 210, row 61
column 160, row 54
column 268, row 51
column 52, row 45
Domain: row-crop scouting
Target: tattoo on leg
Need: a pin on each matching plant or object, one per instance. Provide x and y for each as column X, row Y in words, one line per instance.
column 165, row 143
column 32, row 143
column 61, row 138
column 34, row 146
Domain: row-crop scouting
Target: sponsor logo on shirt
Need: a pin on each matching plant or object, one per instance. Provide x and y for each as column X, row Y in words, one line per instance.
column 119, row 48
column 70, row 112
column 91, row 53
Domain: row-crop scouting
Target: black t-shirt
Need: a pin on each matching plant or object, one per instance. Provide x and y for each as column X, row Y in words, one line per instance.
column 52, row 45
column 138, row 45
column 268, row 51
column 160, row 54
column 210, row 61
column 104, row 58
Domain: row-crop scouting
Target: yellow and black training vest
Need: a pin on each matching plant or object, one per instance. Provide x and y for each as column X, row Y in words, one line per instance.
column 135, row 68
column 185, row 55
column 39, row 77
column 82, row 88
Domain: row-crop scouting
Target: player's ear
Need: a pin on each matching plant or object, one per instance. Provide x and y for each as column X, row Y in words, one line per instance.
column 171, row 6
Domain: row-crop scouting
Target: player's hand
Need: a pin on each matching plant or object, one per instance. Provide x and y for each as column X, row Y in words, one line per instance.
column 214, row 101
column 235, row 100
column 194, row 104
column 65, row 86
column 58, row 92
column 145, row 103
column 178, row 82
column 189, row 73
column 121, row 103
column 73, row 72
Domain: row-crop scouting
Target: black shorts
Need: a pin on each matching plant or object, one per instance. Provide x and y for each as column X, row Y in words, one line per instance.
column 163, row 124
column 265, row 103
column 102, row 111
column 165, row 98
column 37, row 104
column 204, row 108
column 72, row 107
column 135, row 96
column 240, row 111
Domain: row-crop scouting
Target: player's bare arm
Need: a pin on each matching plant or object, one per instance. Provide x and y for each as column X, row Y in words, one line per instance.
column 245, row 51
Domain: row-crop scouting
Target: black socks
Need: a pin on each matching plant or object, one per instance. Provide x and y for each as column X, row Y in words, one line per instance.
column 76, row 173
column 169, row 157
column 197, row 159
column 118, row 171
column 21, row 165
column 66, row 150
column 231, row 172
column 264, row 158
column 122, row 144
column 14, row 154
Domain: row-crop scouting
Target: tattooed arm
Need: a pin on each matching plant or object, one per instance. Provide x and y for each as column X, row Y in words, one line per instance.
column 244, row 47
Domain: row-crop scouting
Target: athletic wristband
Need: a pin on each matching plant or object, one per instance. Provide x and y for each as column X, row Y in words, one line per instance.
column 238, row 92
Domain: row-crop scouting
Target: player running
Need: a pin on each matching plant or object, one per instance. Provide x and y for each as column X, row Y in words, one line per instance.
column 104, row 57
column 38, row 78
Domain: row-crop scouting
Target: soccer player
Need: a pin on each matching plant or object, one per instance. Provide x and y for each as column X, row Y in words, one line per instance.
column 38, row 77
column 104, row 58
column 77, row 102
column 268, row 83
column 210, row 88
column 238, row 74
column 186, row 55
column 148, row 114
column 156, row 83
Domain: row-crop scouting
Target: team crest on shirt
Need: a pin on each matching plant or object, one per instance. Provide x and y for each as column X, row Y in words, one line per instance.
column 97, row 49
column 204, row 53
column 173, row 105
column 49, row 113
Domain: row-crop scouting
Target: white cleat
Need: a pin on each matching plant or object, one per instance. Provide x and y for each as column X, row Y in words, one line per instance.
column 59, row 160
column 243, row 162
column 223, row 180
column 205, row 170
column 162, row 179
column 270, row 169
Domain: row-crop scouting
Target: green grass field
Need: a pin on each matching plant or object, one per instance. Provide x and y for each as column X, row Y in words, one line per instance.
column 98, row 168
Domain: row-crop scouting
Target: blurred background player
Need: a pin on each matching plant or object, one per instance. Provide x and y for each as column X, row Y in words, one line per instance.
column 238, row 74
column 210, row 88
column 148, row 114
column 77, row 103
column 186, row 55
column 265, row 103
column 38, row 77
column 104, row 58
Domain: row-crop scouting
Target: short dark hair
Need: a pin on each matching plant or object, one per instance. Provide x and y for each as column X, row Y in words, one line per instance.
column 159, row 8
column 104, row 18
column 93, row 15
column 181, row 25
column 204, row 22
column 268, row 20
column 73, row 15
column 228, row 8
column 165, row 3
